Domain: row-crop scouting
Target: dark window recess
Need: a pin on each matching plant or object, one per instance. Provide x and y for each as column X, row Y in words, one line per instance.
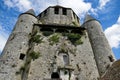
column 74, row 15
column 111, row 58
column 22, row 56
column 56, row 10
column 64, row 11
column 78, row 19
column 55, row 75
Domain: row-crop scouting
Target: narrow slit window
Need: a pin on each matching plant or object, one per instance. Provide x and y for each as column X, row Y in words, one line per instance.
column 64, row 11
column 56, row 10
column 22, row 56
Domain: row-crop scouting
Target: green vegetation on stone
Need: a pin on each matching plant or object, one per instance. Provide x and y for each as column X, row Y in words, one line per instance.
column 54, row 39
column 36, row 39
column 74, row 38
column 34, row 55
column 75, row 23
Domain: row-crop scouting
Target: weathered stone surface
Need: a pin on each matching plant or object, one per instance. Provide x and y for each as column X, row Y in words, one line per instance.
column 66, row 51
column 100, row 46
column 113, row 73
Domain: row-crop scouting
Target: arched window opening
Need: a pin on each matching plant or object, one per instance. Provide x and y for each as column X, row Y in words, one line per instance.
column 66, row 59
column 55, row 75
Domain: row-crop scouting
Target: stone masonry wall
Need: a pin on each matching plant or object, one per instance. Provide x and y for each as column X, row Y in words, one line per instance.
column 17, row 44
column 81, row 58
column 113, row 73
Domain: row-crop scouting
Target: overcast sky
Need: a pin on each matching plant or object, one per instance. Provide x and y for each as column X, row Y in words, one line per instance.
column 106, row 11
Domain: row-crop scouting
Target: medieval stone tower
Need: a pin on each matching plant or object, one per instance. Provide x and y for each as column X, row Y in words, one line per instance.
column 55, row 46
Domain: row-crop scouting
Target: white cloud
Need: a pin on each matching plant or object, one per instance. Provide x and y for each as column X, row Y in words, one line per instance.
column 102, row 3
column 113, row 34
column 79, row 6
column 101, row 7
column 22, row 5
column 3, row 38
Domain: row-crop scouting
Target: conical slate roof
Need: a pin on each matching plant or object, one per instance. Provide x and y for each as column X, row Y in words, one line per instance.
column 88, row 17
column 30, row 11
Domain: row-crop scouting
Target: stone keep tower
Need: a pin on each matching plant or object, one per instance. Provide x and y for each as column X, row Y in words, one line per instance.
column 54, row 46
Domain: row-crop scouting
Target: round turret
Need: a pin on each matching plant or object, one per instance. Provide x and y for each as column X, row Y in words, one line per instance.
column 102, row 51
column 15, row 51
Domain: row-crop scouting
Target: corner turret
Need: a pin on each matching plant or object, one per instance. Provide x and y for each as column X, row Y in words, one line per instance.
column 14, row 54
column 102, row 51
column 88, row 17
column 30, row 11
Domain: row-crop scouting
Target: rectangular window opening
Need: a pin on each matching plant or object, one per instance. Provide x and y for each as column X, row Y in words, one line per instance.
column 22, row 56
column 111, row 58
column 56, row 10
column 64, row 11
